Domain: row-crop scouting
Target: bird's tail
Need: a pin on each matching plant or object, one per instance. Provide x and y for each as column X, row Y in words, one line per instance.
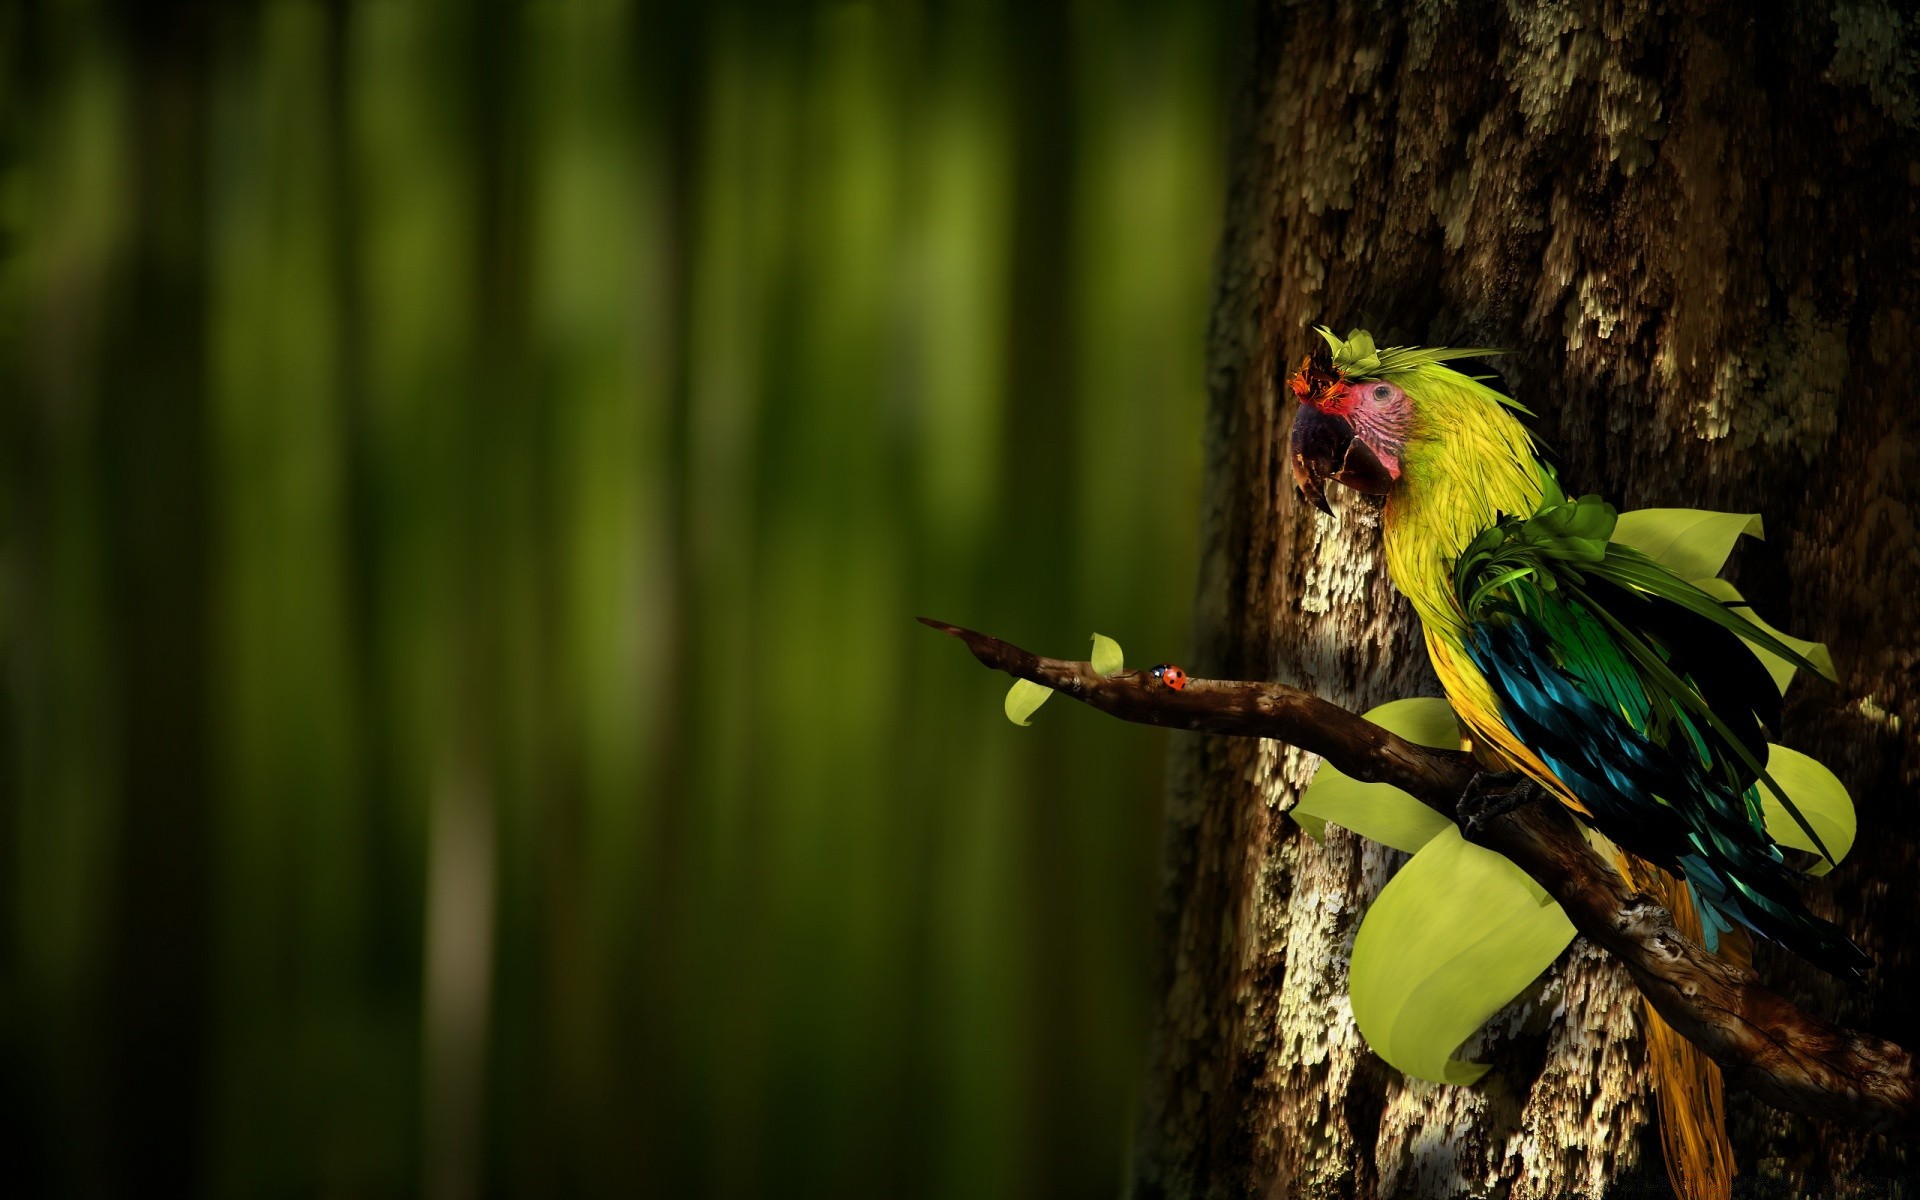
column 1693, row 1115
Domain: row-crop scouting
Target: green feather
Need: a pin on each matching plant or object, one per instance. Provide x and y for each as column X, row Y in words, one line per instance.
column 1681, row 699
column 1557, row 548
column 1356, row 357
column 1630, row 568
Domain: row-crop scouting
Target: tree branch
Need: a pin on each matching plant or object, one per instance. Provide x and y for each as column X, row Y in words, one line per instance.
column 1762, row 1041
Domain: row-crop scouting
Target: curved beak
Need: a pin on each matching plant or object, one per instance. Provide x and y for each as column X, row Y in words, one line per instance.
column 1324, row 448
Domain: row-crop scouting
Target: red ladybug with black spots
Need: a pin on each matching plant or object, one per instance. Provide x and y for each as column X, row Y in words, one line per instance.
column 1170, row 675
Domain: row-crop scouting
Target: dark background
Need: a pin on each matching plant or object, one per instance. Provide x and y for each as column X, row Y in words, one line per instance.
column 467, row 473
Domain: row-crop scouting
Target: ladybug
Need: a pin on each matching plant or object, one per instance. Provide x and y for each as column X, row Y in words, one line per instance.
column 1170, row 675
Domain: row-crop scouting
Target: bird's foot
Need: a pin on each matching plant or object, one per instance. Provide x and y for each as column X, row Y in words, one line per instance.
column 1493, row 794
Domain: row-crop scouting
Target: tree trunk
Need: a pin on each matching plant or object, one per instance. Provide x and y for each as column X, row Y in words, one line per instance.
column 1696, row 230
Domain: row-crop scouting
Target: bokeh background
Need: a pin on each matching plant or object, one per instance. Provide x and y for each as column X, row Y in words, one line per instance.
column 467, row 475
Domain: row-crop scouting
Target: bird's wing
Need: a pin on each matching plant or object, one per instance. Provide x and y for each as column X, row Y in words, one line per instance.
column 1635, row 688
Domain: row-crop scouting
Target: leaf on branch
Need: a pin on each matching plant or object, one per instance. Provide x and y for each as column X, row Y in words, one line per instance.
column 1107, row 659
column 1821, row 798
column 1781, row 670
column 1024, row 699
column 1453, row 938
column 1691, row 542
column 1787, row 1057
column 1380, row 811
column 1694, row 544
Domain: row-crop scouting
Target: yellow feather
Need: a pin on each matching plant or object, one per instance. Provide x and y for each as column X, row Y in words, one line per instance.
column 1687, row 1084
column 1466, row 461
column 1472, row 699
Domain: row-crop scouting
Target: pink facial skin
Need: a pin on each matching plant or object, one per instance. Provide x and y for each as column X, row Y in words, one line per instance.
column 1380, row 414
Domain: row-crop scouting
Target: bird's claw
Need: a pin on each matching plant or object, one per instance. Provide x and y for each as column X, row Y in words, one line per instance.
column 1492, row 794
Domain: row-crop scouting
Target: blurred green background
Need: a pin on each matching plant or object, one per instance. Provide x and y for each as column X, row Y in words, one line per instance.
column 467, row 474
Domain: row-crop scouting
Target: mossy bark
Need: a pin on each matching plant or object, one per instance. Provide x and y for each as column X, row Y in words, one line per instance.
column 1696, row 228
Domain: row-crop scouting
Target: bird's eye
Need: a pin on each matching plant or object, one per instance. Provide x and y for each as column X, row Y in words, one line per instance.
column 1382, row 392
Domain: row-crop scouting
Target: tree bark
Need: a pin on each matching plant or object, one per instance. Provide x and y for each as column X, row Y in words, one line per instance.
column 1696, row 229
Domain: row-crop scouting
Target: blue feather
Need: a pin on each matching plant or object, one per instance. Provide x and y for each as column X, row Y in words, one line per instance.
column 1656, row 783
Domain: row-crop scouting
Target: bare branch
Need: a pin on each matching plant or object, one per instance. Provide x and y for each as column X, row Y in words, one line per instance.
column 1762, row 1041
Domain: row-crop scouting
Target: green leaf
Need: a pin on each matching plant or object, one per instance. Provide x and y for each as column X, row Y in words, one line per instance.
column 1355, row 357
column 1576, row 530
column 1107, row 659
column 1358, row 358
column 1551, row 494
column 1690, row 542
column 1380, row 811
column 1453, row 938
column 1024, row 698
column 1821, row 798
column 1778, row 667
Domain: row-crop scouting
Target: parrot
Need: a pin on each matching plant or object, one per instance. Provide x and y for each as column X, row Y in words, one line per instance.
column 1580, row 669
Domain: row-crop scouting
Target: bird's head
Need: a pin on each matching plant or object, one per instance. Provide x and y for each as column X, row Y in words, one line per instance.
column 1356, row 412
column 1350, row 429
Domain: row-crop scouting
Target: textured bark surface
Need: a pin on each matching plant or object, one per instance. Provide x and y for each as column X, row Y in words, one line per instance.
column 1697, row 229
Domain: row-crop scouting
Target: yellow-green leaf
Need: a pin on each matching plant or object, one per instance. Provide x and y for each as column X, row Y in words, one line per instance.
column 1380, row 811
column 1454, row 937
column 1690, row 542
column 1107, row 659
column 1779, row 668
column 1023, row 699
column 1821, row 798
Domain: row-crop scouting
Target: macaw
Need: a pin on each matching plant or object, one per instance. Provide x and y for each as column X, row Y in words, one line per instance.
column 1579, row 668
